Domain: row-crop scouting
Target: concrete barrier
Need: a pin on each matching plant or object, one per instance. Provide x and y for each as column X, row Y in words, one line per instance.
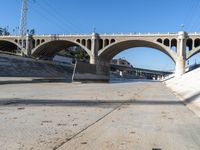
column 85, row 72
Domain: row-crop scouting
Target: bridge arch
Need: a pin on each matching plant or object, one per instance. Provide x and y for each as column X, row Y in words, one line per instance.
column 107, row 53
column 9, row 46
column 197, row 42
column 189, row 44
column 192, row 52
column 50, row 48
column 159, row 40
column 166, row 42
column 174, row 44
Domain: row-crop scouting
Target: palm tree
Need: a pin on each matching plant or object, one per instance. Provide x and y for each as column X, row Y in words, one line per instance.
column 4, row 31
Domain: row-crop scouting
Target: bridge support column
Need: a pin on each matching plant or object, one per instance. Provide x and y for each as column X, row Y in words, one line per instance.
column 180, row 67
column 94, row 48
column 181, row 54
column 29, row 45
column 102, row 66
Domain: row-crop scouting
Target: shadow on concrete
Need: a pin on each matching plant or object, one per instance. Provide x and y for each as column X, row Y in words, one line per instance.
column 131, row 81
column 35, row 81
column 192, row 98
column 85, row 103
column 66, row 80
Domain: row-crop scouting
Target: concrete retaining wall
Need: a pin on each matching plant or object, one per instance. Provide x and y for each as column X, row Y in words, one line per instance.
column 16, row 66
column 85, row 72
column 187, row 87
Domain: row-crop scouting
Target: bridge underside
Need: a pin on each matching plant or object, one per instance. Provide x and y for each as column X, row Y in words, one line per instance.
column 105, row 55
column 192, row 53
column 108, row 53
column 8, row 46
column 49, row 49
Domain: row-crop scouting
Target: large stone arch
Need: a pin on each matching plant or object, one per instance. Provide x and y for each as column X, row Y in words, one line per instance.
column 192, row 52
column 49, row 48
column 9, row 46
column 107, row 53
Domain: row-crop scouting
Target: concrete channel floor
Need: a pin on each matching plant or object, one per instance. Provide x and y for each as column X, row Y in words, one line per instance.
column 118, row 116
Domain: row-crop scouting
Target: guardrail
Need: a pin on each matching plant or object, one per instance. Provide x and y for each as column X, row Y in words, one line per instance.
column 106, row 34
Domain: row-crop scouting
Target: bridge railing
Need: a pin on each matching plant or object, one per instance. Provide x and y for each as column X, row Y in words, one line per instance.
column 139, row 34
column 194, row 33
column 106, row 34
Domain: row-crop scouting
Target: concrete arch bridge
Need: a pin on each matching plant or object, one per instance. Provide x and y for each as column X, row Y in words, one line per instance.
column 103, row 47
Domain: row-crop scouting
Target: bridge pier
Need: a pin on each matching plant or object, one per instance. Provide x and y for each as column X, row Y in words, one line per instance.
column 29, row 45
column 94, row 48
column 26, row 45
column 180, row 67
column 181, row 54
column 102, row 67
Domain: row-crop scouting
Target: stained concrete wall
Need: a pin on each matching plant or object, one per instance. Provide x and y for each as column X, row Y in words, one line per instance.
column 16, row 66
column 85, row 72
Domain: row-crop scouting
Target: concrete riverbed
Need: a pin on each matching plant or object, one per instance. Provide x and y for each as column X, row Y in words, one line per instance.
column 73, row 116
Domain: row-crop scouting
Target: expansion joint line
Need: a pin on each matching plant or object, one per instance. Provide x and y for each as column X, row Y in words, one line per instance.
column 90, row 125
column 69, row 139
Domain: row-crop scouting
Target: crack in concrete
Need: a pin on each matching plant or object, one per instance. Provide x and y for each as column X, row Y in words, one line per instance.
column 84, row 129
column 75, row 135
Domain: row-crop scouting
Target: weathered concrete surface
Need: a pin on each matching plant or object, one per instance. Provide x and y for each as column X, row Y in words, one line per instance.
column 23, row 80
column 84, row 72
column 187, row 88
column 16, row 66
column 139, row 116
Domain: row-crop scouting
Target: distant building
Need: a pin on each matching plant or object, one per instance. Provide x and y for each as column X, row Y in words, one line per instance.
column 121, row 67
column 121, row 62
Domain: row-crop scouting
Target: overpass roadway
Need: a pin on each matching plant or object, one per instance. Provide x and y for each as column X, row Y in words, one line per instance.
column 139, row 115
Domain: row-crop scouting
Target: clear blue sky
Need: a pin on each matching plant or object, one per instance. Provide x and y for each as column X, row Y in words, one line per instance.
column 109, row 16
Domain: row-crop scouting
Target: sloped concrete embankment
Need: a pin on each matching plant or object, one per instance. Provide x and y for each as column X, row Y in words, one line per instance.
column 187, row 87
column 16, row 66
